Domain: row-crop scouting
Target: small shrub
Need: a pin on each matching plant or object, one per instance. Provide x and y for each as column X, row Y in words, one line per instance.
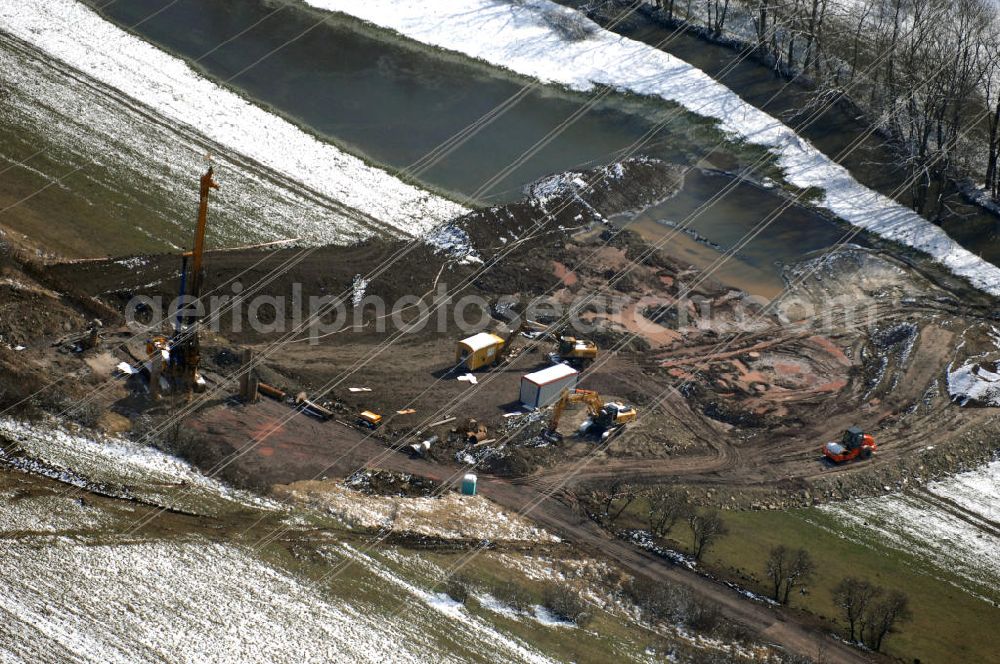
column 702, row 615
column 457, row 588
column 566, row 604
column 512, row 594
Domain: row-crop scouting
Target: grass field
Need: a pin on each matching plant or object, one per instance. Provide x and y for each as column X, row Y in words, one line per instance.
column 949, row 624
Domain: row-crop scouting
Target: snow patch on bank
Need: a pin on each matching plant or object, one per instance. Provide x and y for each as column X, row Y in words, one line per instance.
column 450, row 516
column 452, row 240
column 72, row 33
column 556, row 44
column 504, row 646
column 975, row 383
column 977, row 491
column 117, row 464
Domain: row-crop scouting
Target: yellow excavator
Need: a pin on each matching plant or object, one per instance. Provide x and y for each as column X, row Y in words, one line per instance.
column 605, row 419
column 574, row 350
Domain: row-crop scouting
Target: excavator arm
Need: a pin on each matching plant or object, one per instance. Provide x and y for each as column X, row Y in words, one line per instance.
column 588, row 397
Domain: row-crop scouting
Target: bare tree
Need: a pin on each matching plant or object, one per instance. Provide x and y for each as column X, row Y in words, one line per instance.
column 706, row 528
column 854, row 597
column 667, row 506
column 991, row 90
column 788, row 570
column 615, row 500
column 624, row 495
column 884, row 615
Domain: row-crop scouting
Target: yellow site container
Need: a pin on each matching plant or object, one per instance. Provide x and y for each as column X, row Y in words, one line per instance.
column 478, row 350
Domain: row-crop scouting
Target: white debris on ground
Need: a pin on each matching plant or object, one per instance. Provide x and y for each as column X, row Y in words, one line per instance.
column 556, row 44
column 452, row 516
column 88, row 458
column 184, row 602
column 73, row 33
column 358, row 290
column 453, row 241
column 133, row 262
column 975, row 383
column 951, row 524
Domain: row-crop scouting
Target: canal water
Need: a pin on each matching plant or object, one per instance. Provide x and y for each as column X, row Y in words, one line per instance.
column 393, row 101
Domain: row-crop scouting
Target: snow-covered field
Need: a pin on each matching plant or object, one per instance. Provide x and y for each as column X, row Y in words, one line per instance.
column 555, row 44
column 462, row 623
column 183, row 602
column 82, row 585
column 69, row 32
column 132, row 155
column 953, row 524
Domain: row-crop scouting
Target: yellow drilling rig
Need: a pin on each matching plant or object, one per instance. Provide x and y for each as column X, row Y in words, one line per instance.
column 179, row 357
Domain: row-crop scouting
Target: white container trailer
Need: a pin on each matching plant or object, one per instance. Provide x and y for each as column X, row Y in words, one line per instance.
column 541, row 388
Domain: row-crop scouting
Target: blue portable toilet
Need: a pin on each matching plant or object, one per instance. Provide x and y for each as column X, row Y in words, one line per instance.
column 469, row 485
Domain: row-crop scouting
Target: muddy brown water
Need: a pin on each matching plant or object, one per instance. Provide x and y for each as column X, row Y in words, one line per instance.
column 792, row 231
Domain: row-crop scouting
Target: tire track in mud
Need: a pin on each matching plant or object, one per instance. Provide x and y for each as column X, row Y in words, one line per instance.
column 777, row 460
column 940, row 503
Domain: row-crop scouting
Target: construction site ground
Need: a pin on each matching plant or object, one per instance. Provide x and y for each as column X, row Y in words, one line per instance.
column 736, row 398
column 735, row 402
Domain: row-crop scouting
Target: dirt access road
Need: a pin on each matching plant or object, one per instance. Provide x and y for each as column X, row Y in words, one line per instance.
column 770, row 623
column 277, row 449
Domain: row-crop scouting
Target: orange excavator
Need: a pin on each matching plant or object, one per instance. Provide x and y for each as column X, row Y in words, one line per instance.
column 855, row 444
column 604, row 418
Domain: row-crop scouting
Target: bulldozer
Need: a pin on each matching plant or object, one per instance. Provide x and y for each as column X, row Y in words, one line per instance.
column 370, row 419
column 605, row 419
column 574, row 350
column 854, row 444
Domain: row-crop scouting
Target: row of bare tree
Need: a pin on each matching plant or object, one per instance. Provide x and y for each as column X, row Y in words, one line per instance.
column 870, row 612
column 926, row 71
column 666, row 507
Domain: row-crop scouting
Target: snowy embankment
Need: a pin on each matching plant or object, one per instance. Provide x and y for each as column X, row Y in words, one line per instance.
column 449, row 516
column 119, row 467
column 556, row 44
column 953, row 524
column 975, row 383
column 72, row 33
